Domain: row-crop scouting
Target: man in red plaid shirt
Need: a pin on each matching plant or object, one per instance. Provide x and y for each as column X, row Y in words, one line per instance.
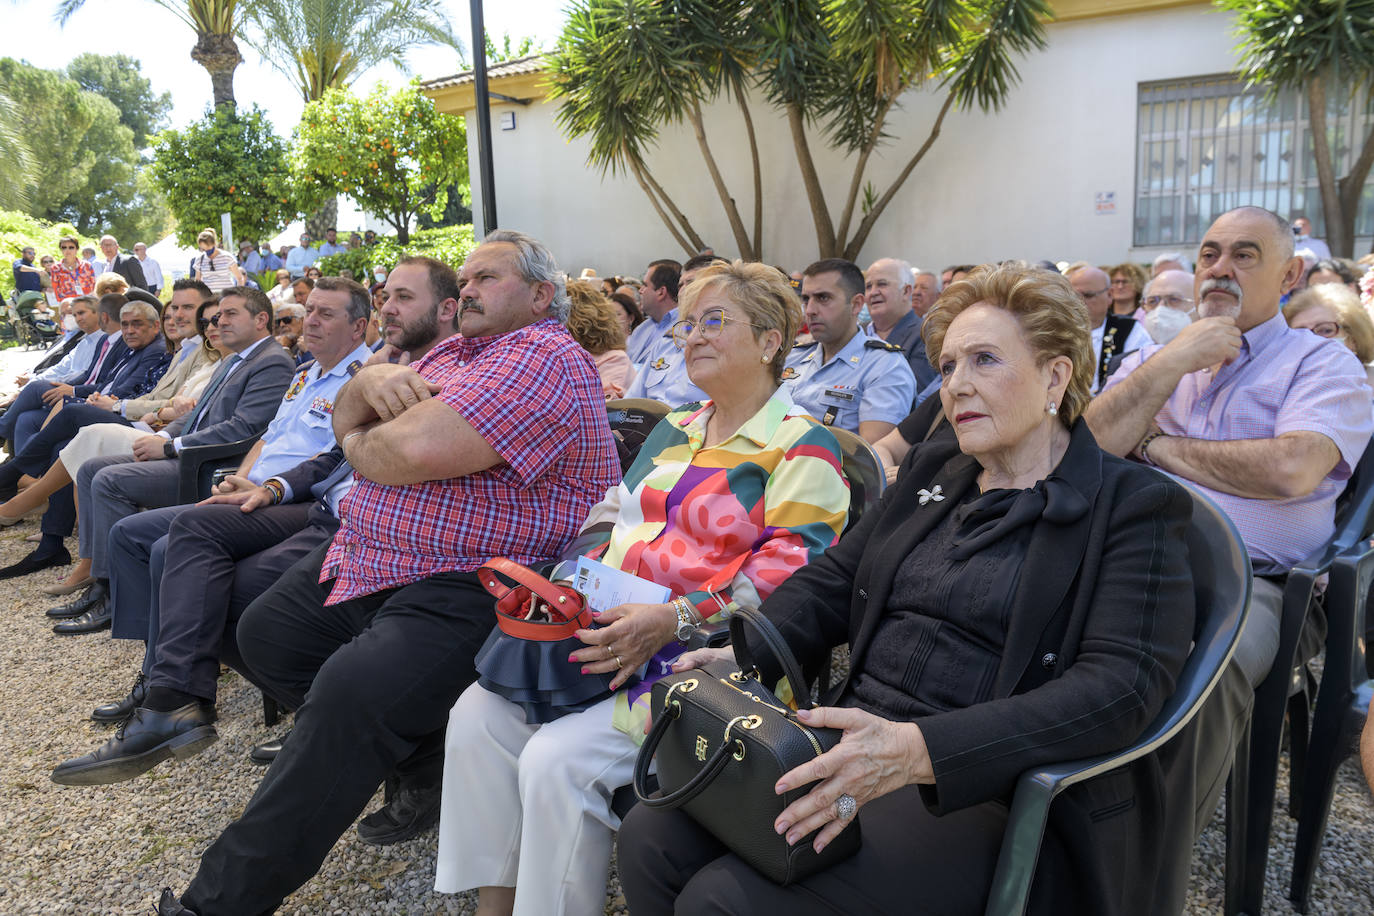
column 494, row 444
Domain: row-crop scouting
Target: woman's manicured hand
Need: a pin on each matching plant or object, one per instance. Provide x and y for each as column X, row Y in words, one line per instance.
column 628, row 637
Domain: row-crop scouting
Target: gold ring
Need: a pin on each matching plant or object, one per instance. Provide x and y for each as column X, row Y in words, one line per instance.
column 610, row 652
column 618, row 662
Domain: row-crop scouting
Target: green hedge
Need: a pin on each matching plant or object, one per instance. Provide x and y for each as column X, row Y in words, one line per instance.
column 450, row 244
column 19, row 231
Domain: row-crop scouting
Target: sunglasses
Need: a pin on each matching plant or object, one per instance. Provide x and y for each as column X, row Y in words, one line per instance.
column 287, row 320
column 66, row 247
column 204, row 323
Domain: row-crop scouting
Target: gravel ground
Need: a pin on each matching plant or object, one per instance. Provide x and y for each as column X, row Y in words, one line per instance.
column 111, row 850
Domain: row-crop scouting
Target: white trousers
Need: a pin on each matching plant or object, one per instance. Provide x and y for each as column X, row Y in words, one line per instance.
column 529, row 806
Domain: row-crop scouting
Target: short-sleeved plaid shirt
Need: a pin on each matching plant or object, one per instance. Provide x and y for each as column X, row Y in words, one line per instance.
column 535, row 396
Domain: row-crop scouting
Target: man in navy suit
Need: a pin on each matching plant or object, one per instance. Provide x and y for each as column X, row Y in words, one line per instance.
column 135, row 371
column 35, row 399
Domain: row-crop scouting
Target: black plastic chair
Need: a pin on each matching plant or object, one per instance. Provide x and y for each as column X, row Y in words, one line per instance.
column 632, row 419
column 1288, row 677
column 200, row 462
column 864, row 471
column 1221, row 589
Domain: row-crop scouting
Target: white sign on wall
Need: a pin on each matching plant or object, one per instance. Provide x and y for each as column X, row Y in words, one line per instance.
column 1104, row 203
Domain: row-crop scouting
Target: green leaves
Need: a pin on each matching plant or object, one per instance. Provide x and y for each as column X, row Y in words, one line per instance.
column 231, row 162
column 1286, row 42
column 391, row 152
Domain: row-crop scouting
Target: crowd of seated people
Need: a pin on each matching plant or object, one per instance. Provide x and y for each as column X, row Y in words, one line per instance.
column 408, row 432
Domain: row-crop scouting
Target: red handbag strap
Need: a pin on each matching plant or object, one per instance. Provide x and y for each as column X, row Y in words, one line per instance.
column 579, row 616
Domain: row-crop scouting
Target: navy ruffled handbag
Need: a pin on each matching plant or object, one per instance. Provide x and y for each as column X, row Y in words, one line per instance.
column 525, row 658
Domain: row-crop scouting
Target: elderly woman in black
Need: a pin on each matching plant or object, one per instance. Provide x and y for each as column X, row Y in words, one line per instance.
column 1018, row 597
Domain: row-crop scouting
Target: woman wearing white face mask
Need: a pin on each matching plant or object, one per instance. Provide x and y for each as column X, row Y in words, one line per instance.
column 1168, row 305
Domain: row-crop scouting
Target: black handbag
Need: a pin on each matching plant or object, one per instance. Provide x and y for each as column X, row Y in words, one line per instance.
column 723, row 740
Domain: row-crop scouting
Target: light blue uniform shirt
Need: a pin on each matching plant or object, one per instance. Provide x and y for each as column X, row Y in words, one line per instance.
column 864, row 381
column 298, row 259
column 304, row 424
column 76, row 365
column 665, row 379
column 651, row 339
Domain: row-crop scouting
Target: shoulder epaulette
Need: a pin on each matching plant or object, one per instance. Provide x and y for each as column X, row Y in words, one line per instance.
column 877, row 343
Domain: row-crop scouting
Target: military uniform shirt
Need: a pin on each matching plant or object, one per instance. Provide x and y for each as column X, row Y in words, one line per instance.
column 651, row 339
column 664, row 378
column 868, row 379
column 304, row 424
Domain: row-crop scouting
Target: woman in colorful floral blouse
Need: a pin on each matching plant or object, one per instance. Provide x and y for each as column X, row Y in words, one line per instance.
column 71, row 276
column 725, row 500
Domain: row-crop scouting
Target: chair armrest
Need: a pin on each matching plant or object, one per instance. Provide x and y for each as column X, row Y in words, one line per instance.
column 710, row 636
column 194, row 458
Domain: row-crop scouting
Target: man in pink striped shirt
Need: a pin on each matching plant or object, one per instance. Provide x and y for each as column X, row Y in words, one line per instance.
column 1266, row 420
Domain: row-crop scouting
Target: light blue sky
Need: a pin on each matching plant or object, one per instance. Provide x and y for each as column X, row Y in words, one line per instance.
column 162, row 43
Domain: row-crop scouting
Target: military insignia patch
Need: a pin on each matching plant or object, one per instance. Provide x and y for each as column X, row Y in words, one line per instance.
column 789, row 373
column 661, row 363
column 297, row 384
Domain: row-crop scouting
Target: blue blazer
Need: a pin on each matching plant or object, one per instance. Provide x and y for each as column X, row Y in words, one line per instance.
column 136, row 374
column 117, row 350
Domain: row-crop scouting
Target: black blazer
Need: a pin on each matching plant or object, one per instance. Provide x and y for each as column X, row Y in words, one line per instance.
column 128, row 267
column 1101, row 625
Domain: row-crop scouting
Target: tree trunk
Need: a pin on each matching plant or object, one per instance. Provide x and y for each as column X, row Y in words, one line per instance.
column 219, row 55
column 1337, row 239
column 758, row 173
column 1352, row 187
column 658, row 208
column 647, row 177
column 856, row 180
column 815, row 194
column 323, row 218
column 853, row 246
column 746, row 250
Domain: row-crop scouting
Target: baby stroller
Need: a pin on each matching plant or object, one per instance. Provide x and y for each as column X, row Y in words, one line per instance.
column 35, row 330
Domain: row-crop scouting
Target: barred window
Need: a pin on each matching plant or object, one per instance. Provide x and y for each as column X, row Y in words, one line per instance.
column 1208, row 144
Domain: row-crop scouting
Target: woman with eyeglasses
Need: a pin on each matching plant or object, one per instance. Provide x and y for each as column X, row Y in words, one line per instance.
column 117, row 437
column 744, row 488
column 71, row 276
column 214, row 266
column 1334, row 311
column 1128, row 283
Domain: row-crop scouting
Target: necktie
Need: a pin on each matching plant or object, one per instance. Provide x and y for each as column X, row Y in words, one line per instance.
column 99, row 361
column 210, row 391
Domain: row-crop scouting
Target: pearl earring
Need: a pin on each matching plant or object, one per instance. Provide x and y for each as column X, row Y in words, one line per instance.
column 768, row 359
column 1052, row 410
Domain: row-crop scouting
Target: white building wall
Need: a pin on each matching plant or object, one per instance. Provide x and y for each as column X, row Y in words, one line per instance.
column 1018, row 183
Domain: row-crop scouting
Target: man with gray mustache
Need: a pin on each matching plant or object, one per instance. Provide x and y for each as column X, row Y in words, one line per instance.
column 1268, row 421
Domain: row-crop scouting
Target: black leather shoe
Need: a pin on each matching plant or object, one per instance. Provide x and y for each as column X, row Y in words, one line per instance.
column 411, row 811
column 34, row 563
column 93, row 596
column 147, row 739
column 98, row 618
column 263, row 754
column 120, row 710
column 169, row 905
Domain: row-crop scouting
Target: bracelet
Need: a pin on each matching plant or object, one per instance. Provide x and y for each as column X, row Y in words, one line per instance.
column 274, row 487
column 686, row 611
column 1144, row 447
column 344, row 444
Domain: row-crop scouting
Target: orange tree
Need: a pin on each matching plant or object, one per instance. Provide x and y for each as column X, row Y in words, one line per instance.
column 391, row 152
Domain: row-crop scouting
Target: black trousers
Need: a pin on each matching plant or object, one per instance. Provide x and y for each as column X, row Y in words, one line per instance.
column 372, row 680
column 219, row 559
column 910, row 862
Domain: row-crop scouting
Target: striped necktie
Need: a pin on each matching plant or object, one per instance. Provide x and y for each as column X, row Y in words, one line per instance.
column 211, row 390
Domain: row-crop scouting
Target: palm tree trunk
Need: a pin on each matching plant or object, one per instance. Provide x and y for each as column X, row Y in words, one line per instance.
column 1352, row 185
column 647, row 178
column 746, row 250
column 811, row 181
column 856, row 180
column 853, row 246
column 758, row 173
column 324, row 218
column 1337, row 238
column 219, row 55
column 638, row 172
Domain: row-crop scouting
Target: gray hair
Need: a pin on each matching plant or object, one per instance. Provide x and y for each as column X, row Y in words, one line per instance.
column 1178, row 256
column 926, row 273
column 537, row 265
column 142, row 309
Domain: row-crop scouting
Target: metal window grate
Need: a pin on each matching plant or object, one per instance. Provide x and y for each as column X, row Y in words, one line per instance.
column 1208, row 144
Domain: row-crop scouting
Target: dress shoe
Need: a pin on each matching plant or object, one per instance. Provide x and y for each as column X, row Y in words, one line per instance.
column 92, row 621
column 120, row 710
column 34, row 563
column 169, row 905
column 93, row 597
column 147, row 739
column 409, row 813
column 59, row 589
column 263, row 754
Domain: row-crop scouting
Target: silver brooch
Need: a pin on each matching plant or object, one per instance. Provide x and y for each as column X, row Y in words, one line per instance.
column 927, row 496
